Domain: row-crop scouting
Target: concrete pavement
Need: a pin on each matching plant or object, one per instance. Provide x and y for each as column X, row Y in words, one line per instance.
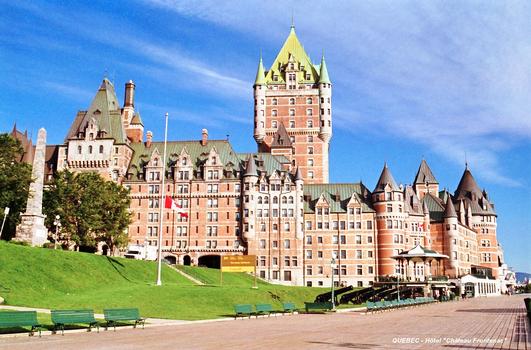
column 482, row 323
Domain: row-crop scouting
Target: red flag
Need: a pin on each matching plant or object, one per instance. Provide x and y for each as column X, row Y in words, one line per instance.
column 169, row 203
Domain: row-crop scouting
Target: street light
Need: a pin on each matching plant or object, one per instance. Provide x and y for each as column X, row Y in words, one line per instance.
column 333, row 265
column 6, row 211
column 57, row 224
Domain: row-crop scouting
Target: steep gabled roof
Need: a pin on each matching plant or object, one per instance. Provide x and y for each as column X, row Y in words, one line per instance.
column 281, row 138
column 293, row 49
column 386, row 178
column 105, row 110
column 424, row 174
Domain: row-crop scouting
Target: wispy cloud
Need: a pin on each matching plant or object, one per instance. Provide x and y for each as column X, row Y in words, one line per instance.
column 453, row 77
column 69, row 90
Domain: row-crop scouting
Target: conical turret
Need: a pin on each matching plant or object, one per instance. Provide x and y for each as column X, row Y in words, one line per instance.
column 323, row 75
column 260, row 74
column 449, row 211
column 386, row 178
column 250, row 169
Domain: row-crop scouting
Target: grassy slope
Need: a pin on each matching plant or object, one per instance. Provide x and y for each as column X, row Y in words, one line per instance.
column 46, row 278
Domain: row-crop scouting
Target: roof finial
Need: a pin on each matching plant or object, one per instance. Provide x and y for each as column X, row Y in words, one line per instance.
column 292, row 20
column 466, row 162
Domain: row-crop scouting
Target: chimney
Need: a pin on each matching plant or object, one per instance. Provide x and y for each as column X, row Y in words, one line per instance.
column 204, row 137
column 149, row 138
column 129, row 100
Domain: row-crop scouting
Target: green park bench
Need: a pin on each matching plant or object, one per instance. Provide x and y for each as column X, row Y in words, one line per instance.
column 318, row 306
column 60, row 318
column 243, row 310
column 263, row 309
column 288, row 307
column 113, row 316
column 20, row 319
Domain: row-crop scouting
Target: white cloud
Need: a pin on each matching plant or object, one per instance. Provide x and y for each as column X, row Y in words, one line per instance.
column 454, row 77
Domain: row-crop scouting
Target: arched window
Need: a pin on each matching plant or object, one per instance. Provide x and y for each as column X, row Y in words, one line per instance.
column 101, row 148
column 259, row 200
column 290, row 201
column 79, row 149
column 184, row 161
column 309, row 100
column 292, row 101
column 90, row 149
column 274, row 102
column 266, row 200
column 275, row 200
column 284, row 200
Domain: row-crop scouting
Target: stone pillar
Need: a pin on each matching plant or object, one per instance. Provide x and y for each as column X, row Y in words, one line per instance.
column 31, row 228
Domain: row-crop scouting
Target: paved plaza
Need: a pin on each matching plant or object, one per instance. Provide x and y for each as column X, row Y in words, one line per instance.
column 482, row 323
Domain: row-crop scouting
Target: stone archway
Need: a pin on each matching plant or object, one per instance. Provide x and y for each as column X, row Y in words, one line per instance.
column 211, row 261
column 170, row 259
column 187, row 260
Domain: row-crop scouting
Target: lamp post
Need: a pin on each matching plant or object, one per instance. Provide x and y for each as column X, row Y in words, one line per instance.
column 57, row 224
column 6, row 211
column 333, row 266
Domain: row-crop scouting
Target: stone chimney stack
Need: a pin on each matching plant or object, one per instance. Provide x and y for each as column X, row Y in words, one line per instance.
column 129, row 100
column 204, row 137
column 149, row 138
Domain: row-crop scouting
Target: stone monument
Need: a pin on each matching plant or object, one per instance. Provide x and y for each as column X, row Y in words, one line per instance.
column 31, row 228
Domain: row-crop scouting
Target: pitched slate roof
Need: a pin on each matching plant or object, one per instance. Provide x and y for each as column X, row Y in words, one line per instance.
column 337, row 195
column 198, row 154
column 435, row 206
column 292, row 48
column 137, row 120
column 424, row 174
column 281, row 138
column 105, row 110
column 386, row 178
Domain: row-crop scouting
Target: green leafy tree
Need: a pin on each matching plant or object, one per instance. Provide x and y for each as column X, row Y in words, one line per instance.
column 15, row 178
column 91, row 209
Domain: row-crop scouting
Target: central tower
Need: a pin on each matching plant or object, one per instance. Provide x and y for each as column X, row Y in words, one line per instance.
column 293, row 110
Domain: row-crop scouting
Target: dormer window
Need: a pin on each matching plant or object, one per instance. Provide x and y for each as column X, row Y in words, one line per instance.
column 292, row 66
column 155, row 162
column 184, row 161
column 91, row 136
column 308, row 77
column 275, row 77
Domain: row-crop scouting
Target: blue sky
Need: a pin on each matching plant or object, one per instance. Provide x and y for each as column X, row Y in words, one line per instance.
column 441, row 80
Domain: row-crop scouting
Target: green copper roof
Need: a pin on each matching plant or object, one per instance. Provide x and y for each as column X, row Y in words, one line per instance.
column 323, row 75
column 337, row 195
column 260, row 74
column 197, row 152
column 106, row 112
column 292, row 47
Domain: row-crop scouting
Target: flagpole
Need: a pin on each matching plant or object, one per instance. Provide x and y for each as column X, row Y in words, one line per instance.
column 162, row 203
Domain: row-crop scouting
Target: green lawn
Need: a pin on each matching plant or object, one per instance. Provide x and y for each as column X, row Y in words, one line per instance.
column 45, row 278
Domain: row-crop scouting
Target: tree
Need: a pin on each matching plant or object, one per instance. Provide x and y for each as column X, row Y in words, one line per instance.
column 15, row 178
column 91, row 209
